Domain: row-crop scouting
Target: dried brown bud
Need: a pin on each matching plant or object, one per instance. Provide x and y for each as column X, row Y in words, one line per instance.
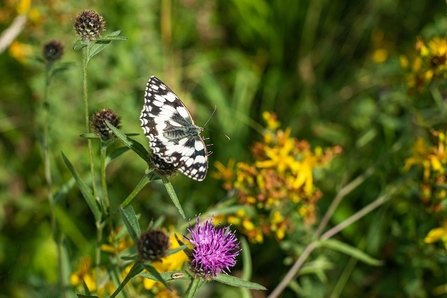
column 89, row 25
column 99, row 126
column 53, row 50
column 153, row 245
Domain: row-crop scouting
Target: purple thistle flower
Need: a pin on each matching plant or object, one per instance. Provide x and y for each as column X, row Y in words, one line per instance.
column 215, row 249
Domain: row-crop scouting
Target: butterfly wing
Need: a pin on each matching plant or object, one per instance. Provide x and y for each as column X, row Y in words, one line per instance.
column 171, row 131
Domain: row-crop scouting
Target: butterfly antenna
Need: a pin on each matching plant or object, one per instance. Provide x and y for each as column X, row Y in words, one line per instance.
column 214, row 111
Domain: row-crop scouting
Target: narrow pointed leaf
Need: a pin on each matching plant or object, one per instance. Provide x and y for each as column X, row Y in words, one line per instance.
column 115, row 154
column 100, row 44
column 132, row 144
column 350, row 251
column 145, row 180
column 79, row 44
column 130, row 219
column 173, row 196
column 237, row 282
column 156, row 274
column 135, row 270
column 193, row 287
column 86, row 191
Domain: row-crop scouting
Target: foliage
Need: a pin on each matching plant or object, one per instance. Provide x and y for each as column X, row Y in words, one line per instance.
column 333, row 180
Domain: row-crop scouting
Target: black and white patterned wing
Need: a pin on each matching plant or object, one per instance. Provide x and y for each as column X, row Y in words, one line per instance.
column 171, row 131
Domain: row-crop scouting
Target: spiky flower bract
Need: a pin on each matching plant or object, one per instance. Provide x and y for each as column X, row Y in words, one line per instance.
column 153, row 245
column 53, row 50
column 215, row 249
column 160, row 166
column 99, row 126
column 89, row 25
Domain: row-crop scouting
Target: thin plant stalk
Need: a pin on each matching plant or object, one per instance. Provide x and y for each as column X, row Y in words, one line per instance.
column 45, row 110
column 335, row 230
column 92, row 164
column 87, row 120
column 103, row 178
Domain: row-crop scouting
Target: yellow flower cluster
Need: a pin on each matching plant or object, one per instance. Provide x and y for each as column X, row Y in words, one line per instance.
column 430, row 63
column 85, row 273
column 278, row 185
column 432, row 160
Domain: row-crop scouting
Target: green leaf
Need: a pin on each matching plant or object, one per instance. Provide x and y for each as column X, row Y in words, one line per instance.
column 237, row 282
column 101, row 43
column 86, row 191
column 116, row 153
column 145, row 180
column 86, row 296
column 79, row 44
column 350, row 251
column 193, row 287
column 86, row 289
column 173, row 196
column 61, row 67
column 246, row 259
column 156, row 275
column 132, row 144
column 130, row 219
column 136, row 269
column 64, row 189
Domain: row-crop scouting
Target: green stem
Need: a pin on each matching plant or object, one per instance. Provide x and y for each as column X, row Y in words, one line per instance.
column 145, row 180
column 137, row 268
column 99, row 229
column 103, row 178
column 338, row 228
column 92, row 164
column 193, row 287
column 45, row 110
column 87, row 119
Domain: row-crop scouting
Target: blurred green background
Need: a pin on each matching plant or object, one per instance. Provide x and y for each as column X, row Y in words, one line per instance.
column 328, row 69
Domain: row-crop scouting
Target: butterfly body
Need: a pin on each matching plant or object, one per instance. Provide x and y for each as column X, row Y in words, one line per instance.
column 173, row 136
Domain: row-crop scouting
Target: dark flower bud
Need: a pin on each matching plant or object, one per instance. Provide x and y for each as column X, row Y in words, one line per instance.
column 99, row 126
column 89, row 25
column 160, row 166
column 153, row 245
column 53, row 50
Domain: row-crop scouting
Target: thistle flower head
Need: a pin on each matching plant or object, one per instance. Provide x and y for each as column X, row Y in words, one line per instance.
column 160, row 166
column 89, row 25
column 153, row 245
column 53, row 50
column 99, row 126
column 215, row 249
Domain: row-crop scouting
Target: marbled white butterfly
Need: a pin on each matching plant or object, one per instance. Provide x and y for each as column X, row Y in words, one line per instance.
column 173, row 136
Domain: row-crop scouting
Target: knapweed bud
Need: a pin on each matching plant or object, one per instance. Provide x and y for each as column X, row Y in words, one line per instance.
column 99, row 126
column 153, row 245
column 89, row 25
column 160, row 166
column 53, row 50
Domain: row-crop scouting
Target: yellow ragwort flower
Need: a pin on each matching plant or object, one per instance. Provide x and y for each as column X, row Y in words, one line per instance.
column 437, row 234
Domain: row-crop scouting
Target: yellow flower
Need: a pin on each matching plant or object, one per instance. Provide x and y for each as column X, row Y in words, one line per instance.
column 224, row 172
column 437, row 234
column 86, row 274
column 380, row 55
column 20, row 51
column 270, row 120
column 170, row 263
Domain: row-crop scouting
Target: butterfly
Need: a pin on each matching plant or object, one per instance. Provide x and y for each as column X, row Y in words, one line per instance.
column 174, row 139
